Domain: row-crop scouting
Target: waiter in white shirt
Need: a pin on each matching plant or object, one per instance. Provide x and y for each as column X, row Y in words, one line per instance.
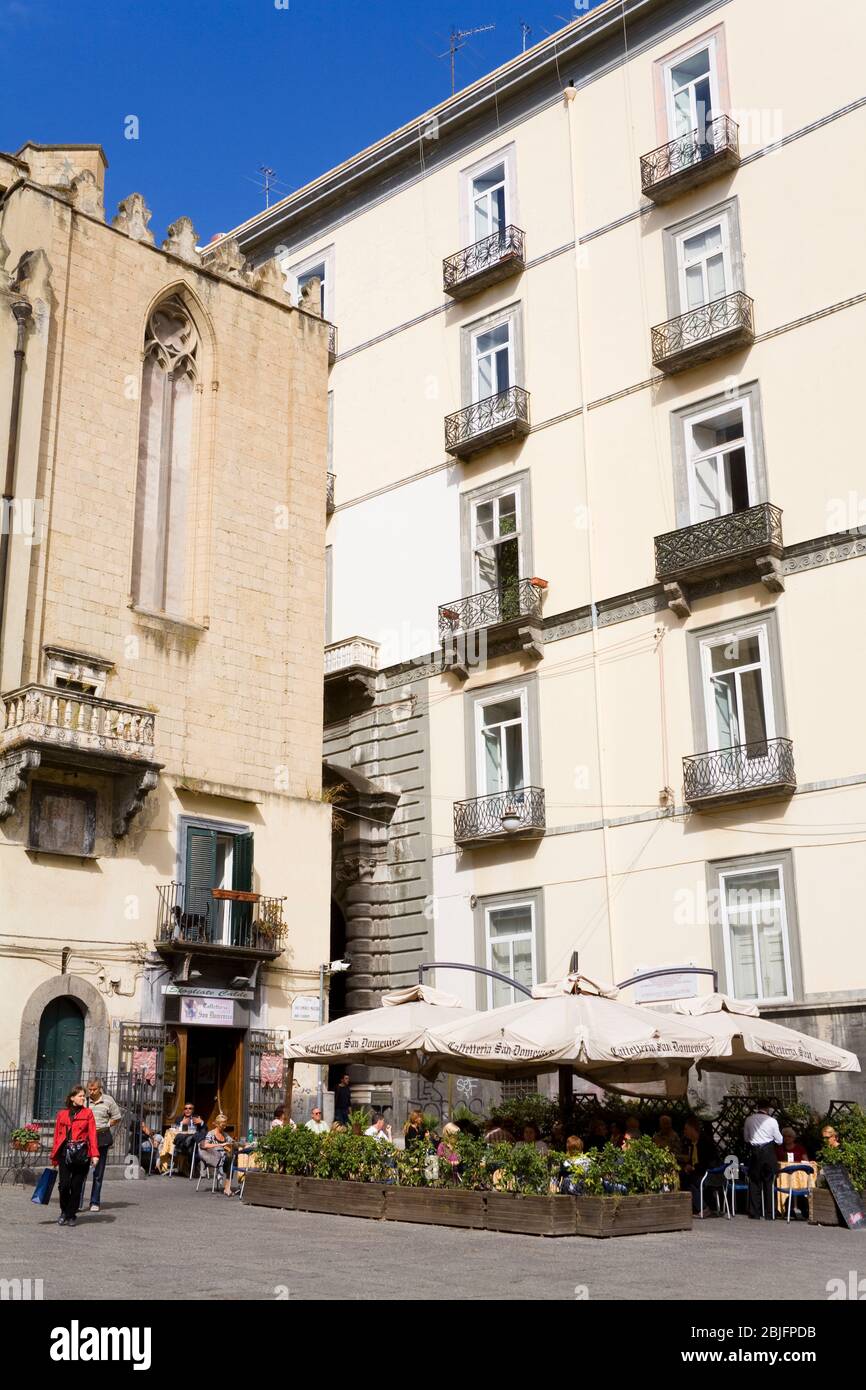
column 762, row 1134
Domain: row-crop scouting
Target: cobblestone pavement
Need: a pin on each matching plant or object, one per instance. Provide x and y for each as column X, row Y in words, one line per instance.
column 158, row 1238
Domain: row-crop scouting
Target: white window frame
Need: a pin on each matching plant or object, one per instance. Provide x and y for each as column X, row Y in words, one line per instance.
column 667, row 77
column 724, row 877
column 475, row 356
column 506, row 156
column 737, row 635
column 497, row 697
column 293, row 272
column 695, row 456
column 722, row 223
column 495, row 499
column 489, row 910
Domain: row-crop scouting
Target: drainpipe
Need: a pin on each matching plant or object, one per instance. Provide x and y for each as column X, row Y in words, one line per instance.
column 23, row 312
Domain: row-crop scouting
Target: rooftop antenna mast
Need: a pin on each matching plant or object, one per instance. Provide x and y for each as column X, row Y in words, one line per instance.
column 268, row 175
column 525, row 31
column 457, row 40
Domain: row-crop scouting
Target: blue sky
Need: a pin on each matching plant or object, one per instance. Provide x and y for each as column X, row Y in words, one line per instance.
column 220, row 88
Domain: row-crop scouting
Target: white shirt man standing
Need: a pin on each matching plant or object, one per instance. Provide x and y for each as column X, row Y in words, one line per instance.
column 761, row 1132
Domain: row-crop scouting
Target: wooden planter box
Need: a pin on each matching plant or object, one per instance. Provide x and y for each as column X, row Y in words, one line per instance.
column 493, row 1211
column 531, row 1216
column 823, row 1210
column 271, row 1190
column 436, row 1206
column 341, row 1198
column 632, row 1216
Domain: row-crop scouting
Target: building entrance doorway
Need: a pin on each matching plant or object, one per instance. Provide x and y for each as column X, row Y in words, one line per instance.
column 210, row 1072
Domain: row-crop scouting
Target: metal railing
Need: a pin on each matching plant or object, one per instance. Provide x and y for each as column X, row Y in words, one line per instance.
column 745, row 767
column 329, row 497
column 483, row 256
column 353, row 652
column 519, row 598
column 722, row 537
column 502, row 814
column 700, row 326
column 195, row 917
column 33, row 1095
column 483, row 417
column 718, row 136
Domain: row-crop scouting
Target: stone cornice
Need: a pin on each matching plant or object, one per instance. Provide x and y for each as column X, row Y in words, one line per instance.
column 804, row 555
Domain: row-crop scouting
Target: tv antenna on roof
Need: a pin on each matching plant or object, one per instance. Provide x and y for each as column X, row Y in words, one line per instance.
column 457, row 40
column 269, row 175
column 525, row 31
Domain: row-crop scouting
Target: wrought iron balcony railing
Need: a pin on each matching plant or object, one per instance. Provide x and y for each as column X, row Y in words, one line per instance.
column 329, row 499
column 332, row 342
column 739, row 773
column 707, row 331
column 485, row 262
column 504, row 815
column 486, row 422
column 219, row 918
column 690, row 159
column 512, row 602
column 352, row 654
column 720, row 544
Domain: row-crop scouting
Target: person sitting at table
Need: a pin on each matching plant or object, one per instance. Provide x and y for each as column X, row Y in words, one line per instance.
column 144, row 1142
column 379, row 1129
column 414, row 1130
column 617, row 1133
column 666, row 1136
column 632, row 1127
column 596, row 1136
column 181, row 1139
column 214, row 1149
column 448, row 1150
column 280, row 1119
column 791, row 1145
column 532, row 1135
column 829, row 1137
column 573, row 1169
column 698, row 1154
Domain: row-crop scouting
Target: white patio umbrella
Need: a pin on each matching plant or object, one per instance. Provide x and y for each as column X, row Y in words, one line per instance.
column 745, row 1044
column 394, row 1035
column 577, row 1024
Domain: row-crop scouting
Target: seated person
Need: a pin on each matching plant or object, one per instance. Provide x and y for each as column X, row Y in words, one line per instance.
column 379, row 1130
column 181, row 1139
column 829, row 1137
column 632, row 1127
column 791, row 1145
column 144, row 1143
column 698, row 1153
column 617, row 1133
column 532, row 1135
column 498, row 1133
column 215, row 1149
column 596, row 1137
column 448, row 1152
column 574, row 1166
column 666, row 1136
column 280, row 1119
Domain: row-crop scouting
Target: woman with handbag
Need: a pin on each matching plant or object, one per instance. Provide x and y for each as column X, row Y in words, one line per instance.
column 72, row 1153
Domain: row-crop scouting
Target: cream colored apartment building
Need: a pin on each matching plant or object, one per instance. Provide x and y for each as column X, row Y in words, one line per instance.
column 596, row 555
column 164, row 846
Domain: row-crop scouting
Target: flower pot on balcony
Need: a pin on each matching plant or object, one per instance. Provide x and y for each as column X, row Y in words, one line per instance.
column 539, row 583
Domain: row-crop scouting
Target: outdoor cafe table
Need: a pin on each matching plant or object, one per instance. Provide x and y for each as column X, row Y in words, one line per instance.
column 792, row 1178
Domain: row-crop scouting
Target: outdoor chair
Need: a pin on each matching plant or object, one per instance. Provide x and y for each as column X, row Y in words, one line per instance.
column 791, row 1192
column 722, row 1171
column 218, row 1171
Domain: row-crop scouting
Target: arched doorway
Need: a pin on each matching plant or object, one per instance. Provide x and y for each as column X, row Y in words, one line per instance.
column 59, row 1054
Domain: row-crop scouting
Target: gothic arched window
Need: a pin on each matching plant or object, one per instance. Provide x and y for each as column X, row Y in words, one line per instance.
column 165, row 459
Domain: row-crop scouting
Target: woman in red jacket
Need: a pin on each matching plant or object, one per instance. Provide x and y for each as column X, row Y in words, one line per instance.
column 73, row 1151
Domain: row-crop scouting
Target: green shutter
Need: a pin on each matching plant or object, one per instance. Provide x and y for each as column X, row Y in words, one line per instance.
column 242, row 881
column 200, row 875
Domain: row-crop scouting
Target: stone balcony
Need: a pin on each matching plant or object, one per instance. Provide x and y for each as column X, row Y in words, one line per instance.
column 350, row 672
column 329, row 496
column 508, row 815
column 748, row 542
column 489, row 421
column 711, row 330
column 218, row 922
column 332, row 343
column 691, row 159
column 484, row 263
column 48, row 726
column 746, row 772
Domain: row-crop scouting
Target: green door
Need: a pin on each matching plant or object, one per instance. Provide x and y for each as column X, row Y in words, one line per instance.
column 61, row 1048
column 200, row 877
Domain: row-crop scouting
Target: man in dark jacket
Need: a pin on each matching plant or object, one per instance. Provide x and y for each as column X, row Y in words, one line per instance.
column 342, row 1101
column 699, row 1154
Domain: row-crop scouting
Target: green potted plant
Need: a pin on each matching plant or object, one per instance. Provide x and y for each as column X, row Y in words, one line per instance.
column 359, row 1120
column 27, row 1139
